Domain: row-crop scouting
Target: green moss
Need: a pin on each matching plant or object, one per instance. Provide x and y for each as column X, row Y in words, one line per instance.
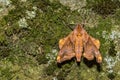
column 104, row 8
column 3, row 22
column 9, row 32
column 7, row 74
column 112, row 51
column 41, row 59
column 3, row 39
column 49, row 70
column 111, row 75
column 61, row 75
column 4, row 52
column 19, row 46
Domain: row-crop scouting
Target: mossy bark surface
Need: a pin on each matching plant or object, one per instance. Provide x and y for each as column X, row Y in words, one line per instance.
column 30, row 31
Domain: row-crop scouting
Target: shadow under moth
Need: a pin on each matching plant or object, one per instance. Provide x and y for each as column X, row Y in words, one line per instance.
column 77, row 44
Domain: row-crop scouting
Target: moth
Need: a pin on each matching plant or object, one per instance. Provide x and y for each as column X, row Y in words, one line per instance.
column 77, row 44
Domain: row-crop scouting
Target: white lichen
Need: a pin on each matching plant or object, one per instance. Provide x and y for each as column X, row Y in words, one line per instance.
column 35, row 8
column 1, row 9
column 23, row 0
column 5, row 7
column 54, row 78
column 23, row 23
column 74, row 4
column 105, row 35
column 118, row 56
column 111, row 62
column 52, row 56
column 30, row 14
column 5, row 2
column 114, row 35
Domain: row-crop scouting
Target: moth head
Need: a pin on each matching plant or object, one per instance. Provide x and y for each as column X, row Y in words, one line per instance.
column 78, row 30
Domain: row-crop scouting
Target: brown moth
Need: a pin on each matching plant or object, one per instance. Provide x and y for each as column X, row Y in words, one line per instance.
column 76, row 43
